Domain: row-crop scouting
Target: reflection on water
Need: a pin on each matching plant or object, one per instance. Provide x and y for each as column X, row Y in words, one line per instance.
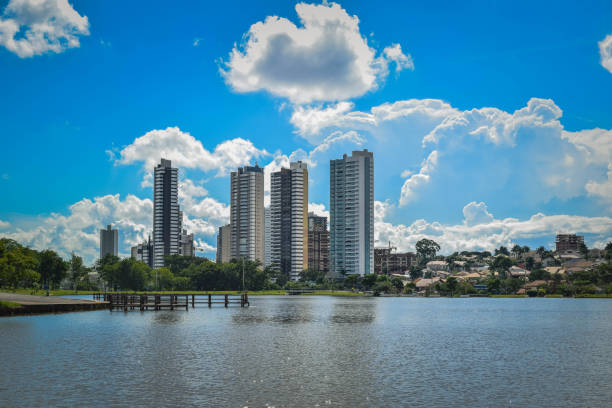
column 315, row 351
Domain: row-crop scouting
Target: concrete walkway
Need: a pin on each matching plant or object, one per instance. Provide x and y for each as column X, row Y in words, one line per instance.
column 47, row 304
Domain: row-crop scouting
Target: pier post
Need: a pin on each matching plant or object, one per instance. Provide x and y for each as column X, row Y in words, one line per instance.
column 226, row 300
column 192, row 301
column 209, row 300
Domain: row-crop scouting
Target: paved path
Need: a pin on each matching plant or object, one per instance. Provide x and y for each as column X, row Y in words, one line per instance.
column 48, row 304
column 41, row 300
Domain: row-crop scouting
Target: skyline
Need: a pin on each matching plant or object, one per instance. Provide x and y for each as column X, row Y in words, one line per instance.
column 473, row 142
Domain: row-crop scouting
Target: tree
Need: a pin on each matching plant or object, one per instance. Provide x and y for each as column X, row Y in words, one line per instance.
column 502, row 251
column 541, row 251
column 539, row 274
column 517, row 251
column 451, row 285
column 369, row 280
column 415, row 272
column 529, row 263
column 525, row 249
column 397, row 283
column 608, row 250
column 77, row 269
column 132, row 274
column 18, row 267
column 52, row 268
column 164, row 278
column 502, row 264
column 584, row 250
column 310, row 275
column 427, row 249
column 351, row 281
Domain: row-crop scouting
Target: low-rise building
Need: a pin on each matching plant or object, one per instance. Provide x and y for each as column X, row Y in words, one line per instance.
column 388, row 262
column 437, row 265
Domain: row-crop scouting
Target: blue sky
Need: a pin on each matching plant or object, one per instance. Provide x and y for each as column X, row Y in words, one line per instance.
column 490, row 123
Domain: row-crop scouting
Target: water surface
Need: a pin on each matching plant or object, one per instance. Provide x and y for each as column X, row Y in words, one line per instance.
column 306, row 351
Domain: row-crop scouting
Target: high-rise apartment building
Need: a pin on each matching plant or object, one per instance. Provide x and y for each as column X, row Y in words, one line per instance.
column 351, row 199
column 318, row 244
column 167, row 217
column 289, row 220
column 224, row 244
column 247, row 213
column 109, row 241
column 144, row 252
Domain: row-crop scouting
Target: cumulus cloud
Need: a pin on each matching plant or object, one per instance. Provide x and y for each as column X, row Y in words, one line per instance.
column 79, row 230
column 476, row 213
column 605, row 52
column 187, row 152
column 4, row 224
column 319, row 209
column 497, row 126
column 602, row 190
column 311, row 121
column 481, row 231
column 402, row 61
column 526, row 153
column 415, row 181
column 34, row 27
column 325, row 59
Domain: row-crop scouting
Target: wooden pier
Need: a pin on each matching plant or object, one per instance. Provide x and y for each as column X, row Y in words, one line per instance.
column 146, row 301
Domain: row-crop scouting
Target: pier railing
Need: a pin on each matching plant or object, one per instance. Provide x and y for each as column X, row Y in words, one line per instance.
column 170, row 301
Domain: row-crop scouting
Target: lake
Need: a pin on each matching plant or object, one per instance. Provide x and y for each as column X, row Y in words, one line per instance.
column 308, row 351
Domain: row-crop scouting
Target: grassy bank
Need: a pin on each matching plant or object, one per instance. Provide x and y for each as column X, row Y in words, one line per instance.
column 508, row 296
column 4, row 304
column 334, row 293
column 42, row 292
column 594, row 296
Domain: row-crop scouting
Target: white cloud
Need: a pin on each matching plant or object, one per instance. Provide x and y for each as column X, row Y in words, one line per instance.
column 497, row 126
column 4, row 224
column 597, row 143
column 417, row 180
column 34, row 27
column 79, row 230
column 485, row 232
column 605, row 52
column 394, row 53
column 186, row 151
column 603, row 189
column 476, row 213
column 311, row 121
column 319, row 209
column 526, row 154
column 196, row 42
column 325, row 59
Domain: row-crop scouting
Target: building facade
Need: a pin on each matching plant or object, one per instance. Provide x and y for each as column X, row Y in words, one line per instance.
column 224, row 244
column 387, row 262
column 247, row 213
column 267, row 237
column 144, row 252
column 318, row 244
column 289, row 220
column 569, row 242
column 187, row 248
column 109, row 241
column 351, row 198
column 167, row 217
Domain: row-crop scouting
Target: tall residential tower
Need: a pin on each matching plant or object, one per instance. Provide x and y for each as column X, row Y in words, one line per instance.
column 351, row 202
column 247, row 213
column 318, row 244
column 167, row 216
column 289, row 220
column 109, row 241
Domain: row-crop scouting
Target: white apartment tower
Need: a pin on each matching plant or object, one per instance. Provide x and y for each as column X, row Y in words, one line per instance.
column 167, row 217
column 289, row 220
column 351, row 199
column 247, row 213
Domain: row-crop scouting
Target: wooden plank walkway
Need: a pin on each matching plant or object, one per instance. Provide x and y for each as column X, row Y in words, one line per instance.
column 148, row 301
